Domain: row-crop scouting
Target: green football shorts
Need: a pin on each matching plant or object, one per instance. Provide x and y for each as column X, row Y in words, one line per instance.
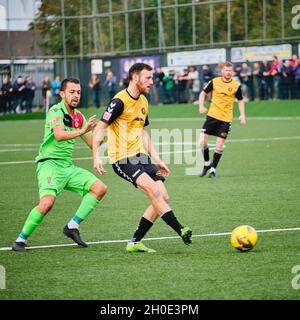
column 57, row 175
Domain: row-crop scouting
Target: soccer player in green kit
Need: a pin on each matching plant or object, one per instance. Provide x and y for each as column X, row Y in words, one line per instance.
column 55, row 170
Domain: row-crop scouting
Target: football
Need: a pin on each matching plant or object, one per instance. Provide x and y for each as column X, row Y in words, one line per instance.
column 244, row 238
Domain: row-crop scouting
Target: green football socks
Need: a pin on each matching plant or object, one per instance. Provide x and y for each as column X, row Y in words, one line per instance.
column 33, row 220
column 88, row 204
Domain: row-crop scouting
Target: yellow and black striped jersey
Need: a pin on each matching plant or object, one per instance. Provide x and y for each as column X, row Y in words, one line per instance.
column 223, row 95
column 126, row 117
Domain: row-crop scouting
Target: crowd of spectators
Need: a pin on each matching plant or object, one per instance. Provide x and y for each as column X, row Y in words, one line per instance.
column 267, row 80
column 18, row 96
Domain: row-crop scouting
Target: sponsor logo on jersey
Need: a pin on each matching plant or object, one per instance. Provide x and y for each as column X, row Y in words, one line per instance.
column 106, row 116
column 55, row 120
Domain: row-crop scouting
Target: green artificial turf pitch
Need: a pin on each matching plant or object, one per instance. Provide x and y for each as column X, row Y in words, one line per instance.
column 258, row 183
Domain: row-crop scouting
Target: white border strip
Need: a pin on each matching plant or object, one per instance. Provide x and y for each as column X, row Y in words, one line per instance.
column 149, row 239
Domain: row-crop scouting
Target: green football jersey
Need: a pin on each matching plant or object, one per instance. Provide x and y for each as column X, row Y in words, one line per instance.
column 50, row 147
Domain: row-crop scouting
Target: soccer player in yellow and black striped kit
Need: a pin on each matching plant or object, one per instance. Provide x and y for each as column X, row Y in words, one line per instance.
column 129, row 152
column 219, row 115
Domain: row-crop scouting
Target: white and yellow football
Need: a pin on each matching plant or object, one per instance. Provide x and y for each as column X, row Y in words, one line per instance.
column 244, row 238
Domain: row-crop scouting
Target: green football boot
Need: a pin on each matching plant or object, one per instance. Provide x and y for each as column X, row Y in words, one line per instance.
column 186, row 235
column 138, row 247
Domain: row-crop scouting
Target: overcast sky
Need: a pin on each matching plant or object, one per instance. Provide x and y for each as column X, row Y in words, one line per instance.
column 17, row 9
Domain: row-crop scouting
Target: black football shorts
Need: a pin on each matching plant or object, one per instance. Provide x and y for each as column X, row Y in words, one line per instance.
column 215, row 127
column 131, row 168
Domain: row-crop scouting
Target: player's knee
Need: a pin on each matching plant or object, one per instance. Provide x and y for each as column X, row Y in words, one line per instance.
column 154, row 193
column 220, row 146
column 203, row 141
column 99, row 189
column 46, row 204
column 166, row 197
column 102, row 190
column 203, row 145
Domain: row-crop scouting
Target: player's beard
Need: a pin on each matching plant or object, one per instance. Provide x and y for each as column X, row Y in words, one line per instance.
column 72, row 106
column 142, row 89
column 227, row 77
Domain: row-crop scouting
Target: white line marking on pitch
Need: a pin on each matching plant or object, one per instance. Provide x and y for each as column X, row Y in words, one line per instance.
column 171, row 152
column 287, row 118
column 189, row 143
column 150, row 239
column 202, row 119
column 90, row 158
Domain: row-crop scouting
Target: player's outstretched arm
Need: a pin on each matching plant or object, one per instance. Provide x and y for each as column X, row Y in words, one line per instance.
column 202, row 108
column 61, row 134
column 98, row 137
column 88, row 139
column 242, row 116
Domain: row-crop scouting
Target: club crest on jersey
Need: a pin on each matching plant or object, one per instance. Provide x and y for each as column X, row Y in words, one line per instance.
column 77, row 121
column 143, row 110
column 138, row 119
column 230, row 89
